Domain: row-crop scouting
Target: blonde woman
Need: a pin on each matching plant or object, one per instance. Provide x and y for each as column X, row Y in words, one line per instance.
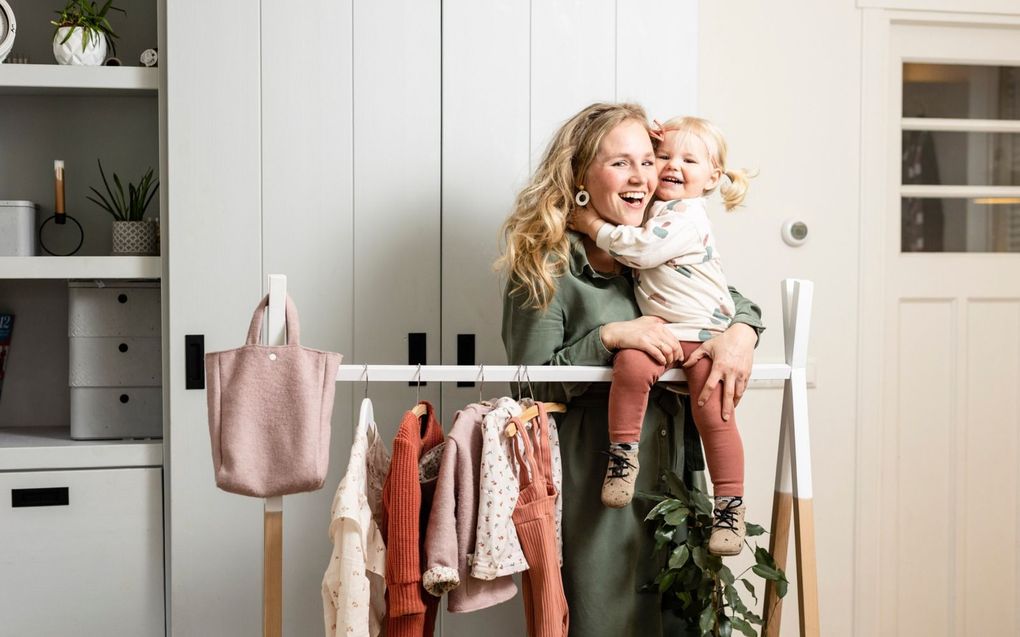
column 569, row 302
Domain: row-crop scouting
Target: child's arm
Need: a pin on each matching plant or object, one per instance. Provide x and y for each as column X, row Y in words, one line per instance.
column 586, row 221
column 661, row 239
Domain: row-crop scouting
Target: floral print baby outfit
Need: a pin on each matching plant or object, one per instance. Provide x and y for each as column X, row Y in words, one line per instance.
column 353, row 587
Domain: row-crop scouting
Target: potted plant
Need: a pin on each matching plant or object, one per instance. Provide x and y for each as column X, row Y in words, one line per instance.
column 696, row 586
column 132, row 235
column 83, row 33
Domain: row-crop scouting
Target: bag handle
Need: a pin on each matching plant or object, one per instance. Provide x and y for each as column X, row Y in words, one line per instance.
column 293, row 325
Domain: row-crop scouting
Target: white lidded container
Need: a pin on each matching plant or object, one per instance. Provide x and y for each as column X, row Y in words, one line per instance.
column 17, row 228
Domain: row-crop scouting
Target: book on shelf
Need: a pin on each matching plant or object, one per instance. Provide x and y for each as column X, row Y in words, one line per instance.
column 6, row 327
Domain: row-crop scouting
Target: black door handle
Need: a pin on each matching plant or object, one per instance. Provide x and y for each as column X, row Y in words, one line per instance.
column 465, row 354
column 194, row 361
column 416, row 352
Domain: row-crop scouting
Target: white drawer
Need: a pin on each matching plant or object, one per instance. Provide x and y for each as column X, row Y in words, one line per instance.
column 92, row 566
column 115, row 362
column 116, row 412
column 113, row 311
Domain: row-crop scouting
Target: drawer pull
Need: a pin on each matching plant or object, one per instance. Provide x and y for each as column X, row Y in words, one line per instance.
column 122, row 298
column 122, row 347
column 124, row 398
column 49, row 497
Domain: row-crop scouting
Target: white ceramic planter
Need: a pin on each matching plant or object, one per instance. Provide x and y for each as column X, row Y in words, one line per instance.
column 70, row 52
column 136, row 237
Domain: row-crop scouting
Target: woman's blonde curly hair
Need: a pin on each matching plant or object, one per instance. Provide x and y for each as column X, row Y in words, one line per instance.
column 536, row 244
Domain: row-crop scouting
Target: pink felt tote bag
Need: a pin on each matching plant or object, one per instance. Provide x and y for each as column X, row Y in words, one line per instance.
column 269, row 412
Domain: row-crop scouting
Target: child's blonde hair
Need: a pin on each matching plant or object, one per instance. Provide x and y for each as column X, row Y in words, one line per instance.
column 734, row 192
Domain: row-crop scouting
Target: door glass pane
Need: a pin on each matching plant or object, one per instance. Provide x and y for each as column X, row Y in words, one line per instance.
column 982, row 224
column 959, row 91
column 976, row 159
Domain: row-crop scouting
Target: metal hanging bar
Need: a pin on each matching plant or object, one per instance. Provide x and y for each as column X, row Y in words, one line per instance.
column 510, row 373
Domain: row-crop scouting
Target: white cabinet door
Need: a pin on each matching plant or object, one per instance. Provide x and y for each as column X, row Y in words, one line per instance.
column 396, row 192
column 81, row 552
column 213, row 279
column 308, row 219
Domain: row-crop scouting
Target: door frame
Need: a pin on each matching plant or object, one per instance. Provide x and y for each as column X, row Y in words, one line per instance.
column 878, row 184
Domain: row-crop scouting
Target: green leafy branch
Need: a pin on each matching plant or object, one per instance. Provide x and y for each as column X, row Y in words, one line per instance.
column 696, row 586
column 91, row 19
column 130, row 206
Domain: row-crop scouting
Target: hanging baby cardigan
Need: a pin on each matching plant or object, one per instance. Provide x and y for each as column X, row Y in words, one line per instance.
column 410, row 611
column 353, row 587
column 450, row 538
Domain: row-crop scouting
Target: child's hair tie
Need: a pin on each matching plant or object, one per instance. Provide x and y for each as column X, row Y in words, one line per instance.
column 725, row 183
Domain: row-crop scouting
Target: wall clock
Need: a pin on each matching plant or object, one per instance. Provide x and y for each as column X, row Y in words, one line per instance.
column 7, row 27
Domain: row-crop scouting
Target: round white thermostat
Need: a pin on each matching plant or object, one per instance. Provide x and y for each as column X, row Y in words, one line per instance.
column 794, row 232
column 8, row 25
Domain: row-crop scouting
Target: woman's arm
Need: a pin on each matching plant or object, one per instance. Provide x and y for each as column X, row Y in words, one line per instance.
column 732, row 354
column 536, row 337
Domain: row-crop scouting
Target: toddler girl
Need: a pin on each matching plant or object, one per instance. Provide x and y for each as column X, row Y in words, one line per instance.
column 678, row 277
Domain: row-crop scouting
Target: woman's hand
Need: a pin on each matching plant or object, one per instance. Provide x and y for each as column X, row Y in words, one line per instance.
column 648, row 334
column 732, row 354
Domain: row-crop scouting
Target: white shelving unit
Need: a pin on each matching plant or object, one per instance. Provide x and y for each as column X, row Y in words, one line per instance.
column 80, row 268
column 52, row 79
column 27, row 448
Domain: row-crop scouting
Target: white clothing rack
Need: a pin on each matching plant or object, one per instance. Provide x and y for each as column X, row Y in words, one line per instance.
column 793, row 465
column 518, row 373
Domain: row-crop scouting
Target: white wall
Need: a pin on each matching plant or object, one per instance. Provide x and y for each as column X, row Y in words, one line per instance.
column 782, row 80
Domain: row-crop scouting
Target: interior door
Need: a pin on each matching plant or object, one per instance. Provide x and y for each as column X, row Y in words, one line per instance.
column 951, row 341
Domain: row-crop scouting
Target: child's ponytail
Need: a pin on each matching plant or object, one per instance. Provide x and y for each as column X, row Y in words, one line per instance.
column 733, row 187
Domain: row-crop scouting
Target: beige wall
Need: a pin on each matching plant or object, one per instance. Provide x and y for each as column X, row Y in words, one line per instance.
column 782, row 79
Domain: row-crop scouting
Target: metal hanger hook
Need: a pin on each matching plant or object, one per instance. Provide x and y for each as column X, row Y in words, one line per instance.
column 417, row 391
column 527, row 376
column 365, row 373
column 481, row 381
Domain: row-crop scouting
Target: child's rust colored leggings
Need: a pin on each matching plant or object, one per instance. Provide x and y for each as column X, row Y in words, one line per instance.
column 634, row 373
column 545, row 605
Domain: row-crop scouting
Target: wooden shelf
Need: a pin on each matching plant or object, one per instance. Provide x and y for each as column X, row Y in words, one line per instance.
column 33, row 448
column 54, row 79
column 80, row 267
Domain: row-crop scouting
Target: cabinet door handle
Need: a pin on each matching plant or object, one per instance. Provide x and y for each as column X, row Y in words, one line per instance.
column 48, row 497
column 465, row 354
column 194, row 361
column 416, row 352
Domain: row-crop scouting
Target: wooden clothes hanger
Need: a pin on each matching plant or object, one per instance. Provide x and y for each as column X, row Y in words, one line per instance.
column 531, row 413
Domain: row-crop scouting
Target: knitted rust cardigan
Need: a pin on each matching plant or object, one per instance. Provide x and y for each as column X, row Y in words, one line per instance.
column 410, row 610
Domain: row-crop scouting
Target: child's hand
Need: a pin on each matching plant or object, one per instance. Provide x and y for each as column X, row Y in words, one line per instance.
column 584, row 220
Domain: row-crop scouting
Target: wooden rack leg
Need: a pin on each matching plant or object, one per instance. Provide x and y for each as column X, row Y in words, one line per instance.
column 272, row 558
column 782, row 515
column 272, row 569
column 793, row 470
column 803, row 508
